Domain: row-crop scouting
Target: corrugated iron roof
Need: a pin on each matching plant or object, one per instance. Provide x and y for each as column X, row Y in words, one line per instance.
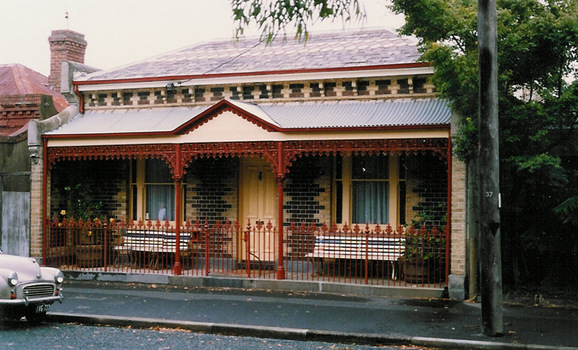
column 285, row 115
column 146, row 120
column 322, row 51
column 351, row 114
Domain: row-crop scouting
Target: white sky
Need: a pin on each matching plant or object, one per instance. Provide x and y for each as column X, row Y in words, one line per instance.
column 125, row 31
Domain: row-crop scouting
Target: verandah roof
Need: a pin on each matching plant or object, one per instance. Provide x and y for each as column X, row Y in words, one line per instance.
column 283, row 116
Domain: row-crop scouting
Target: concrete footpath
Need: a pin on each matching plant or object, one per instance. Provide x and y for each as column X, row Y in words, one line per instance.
column 336, row 318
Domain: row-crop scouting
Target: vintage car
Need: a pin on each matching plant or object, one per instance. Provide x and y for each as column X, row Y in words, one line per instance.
column 27, row 289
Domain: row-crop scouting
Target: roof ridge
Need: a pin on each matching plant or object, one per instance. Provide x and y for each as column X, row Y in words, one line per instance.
column 233, row 58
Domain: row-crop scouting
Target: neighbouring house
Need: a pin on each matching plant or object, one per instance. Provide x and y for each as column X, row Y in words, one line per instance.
column 24, row 96
column 316, row 161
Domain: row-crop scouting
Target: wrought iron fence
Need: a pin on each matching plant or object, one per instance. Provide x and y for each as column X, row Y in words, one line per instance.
column 360, row 255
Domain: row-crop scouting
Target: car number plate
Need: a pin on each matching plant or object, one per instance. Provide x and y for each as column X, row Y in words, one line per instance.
column 42, row 308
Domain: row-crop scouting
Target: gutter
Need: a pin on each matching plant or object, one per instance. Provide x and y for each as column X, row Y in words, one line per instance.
column 182, row 130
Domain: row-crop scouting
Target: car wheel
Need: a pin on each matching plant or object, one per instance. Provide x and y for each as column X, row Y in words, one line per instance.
column 11, row 315
column 34, row 317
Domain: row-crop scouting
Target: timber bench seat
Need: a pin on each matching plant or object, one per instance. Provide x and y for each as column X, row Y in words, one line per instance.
column 357, row 247
column 155, row 243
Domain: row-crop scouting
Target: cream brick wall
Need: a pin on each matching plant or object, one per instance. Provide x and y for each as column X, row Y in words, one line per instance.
column 36, row 207
column 458, row 234
column 91, row 100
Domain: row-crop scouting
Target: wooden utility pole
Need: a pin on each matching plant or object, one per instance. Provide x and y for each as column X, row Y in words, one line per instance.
column 489, row 171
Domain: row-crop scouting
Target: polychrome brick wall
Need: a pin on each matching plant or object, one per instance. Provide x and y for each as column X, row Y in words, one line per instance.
column 212, row 190
column 307, row 191
column 426, row 190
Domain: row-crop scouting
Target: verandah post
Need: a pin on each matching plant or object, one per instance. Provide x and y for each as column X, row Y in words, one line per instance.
column 207, row 248
column 280, row 178
column 178, row 176
column 246, row 240
column 177, row 266
column 366, row 253
column 105, row 235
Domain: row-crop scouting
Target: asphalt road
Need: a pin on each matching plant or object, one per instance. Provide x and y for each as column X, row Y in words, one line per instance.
column 21, row 335
column 315, row 315
column 329, row 312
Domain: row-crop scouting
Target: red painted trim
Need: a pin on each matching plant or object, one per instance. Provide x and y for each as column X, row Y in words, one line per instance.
column 177, row 171
column 218, row 108
column 44, row 200
column 80, row 99
column 245, row 74
column 280, row 179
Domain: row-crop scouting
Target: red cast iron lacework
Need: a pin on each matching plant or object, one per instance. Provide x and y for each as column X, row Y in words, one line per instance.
column 280, row 154
column 368, row 255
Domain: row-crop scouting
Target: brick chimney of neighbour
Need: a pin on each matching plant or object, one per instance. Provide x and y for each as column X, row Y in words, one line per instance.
column 65, row 45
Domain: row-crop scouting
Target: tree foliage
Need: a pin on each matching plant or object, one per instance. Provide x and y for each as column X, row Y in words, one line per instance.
column 538, row 118
column 274, row 17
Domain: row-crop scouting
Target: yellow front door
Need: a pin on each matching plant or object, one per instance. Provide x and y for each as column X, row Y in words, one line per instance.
column 258, row 204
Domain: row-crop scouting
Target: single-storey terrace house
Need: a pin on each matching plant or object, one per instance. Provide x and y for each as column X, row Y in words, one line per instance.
column 318, row 160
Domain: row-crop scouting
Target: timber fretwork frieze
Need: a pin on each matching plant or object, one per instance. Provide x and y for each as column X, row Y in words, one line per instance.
column 280, row 154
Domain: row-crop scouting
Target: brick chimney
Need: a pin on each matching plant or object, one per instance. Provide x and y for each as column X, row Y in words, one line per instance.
column 65, row 45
